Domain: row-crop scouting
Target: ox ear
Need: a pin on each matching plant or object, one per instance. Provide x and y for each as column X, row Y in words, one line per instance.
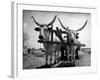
column 82, row 26
column 35, row 21
column 62, row 25
column 52, row 21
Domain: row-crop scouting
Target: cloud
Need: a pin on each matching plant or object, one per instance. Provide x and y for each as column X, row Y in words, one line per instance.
column 25, row 24
column 26, row 39
column 25, row 36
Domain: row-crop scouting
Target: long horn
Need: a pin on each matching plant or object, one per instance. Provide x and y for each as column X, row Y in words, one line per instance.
column 62, row 25
column 82, row 26
column 52, row 21
column 35, row 21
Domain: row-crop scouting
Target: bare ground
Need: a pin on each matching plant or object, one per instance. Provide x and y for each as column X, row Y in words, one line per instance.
column 32, row 61
column 85, row 59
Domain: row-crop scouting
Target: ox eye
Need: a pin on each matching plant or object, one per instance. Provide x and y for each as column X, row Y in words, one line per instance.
column 77, row 36
column 49, row 28
column 37, row 29
column 77, row 33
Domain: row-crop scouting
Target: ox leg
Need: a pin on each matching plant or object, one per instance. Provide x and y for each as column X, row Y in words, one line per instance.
column 70, row 54
column 68, row 51
column 66, row 55
column 73, row 55
column 58, row 57
column 46, row 59
column 74, row 60
column 76, row 53
column 55, row 57
column 50, row 59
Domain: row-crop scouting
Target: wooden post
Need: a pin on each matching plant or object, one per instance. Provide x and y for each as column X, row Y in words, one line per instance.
column 51, row 33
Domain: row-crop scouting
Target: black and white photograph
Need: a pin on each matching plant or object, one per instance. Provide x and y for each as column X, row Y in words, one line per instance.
column 54, row 39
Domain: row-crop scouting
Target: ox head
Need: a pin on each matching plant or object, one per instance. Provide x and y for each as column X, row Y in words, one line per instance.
column 43, row 28
column 73, row 35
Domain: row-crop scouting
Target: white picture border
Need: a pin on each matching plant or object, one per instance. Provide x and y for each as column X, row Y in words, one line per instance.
column 17, row 55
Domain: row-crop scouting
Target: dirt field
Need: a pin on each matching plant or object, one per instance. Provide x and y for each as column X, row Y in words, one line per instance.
column 85, row 59
column 32, row 61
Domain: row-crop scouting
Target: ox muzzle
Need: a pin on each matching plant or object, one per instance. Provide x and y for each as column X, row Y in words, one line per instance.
column 41, row 37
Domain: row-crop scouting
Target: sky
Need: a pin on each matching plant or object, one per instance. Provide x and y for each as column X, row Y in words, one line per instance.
column 73, row 20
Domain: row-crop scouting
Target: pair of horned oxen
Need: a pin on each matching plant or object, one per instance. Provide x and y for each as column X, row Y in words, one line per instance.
column 52, row 49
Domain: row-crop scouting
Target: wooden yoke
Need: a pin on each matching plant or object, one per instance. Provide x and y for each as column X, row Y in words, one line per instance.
column 59, row 34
